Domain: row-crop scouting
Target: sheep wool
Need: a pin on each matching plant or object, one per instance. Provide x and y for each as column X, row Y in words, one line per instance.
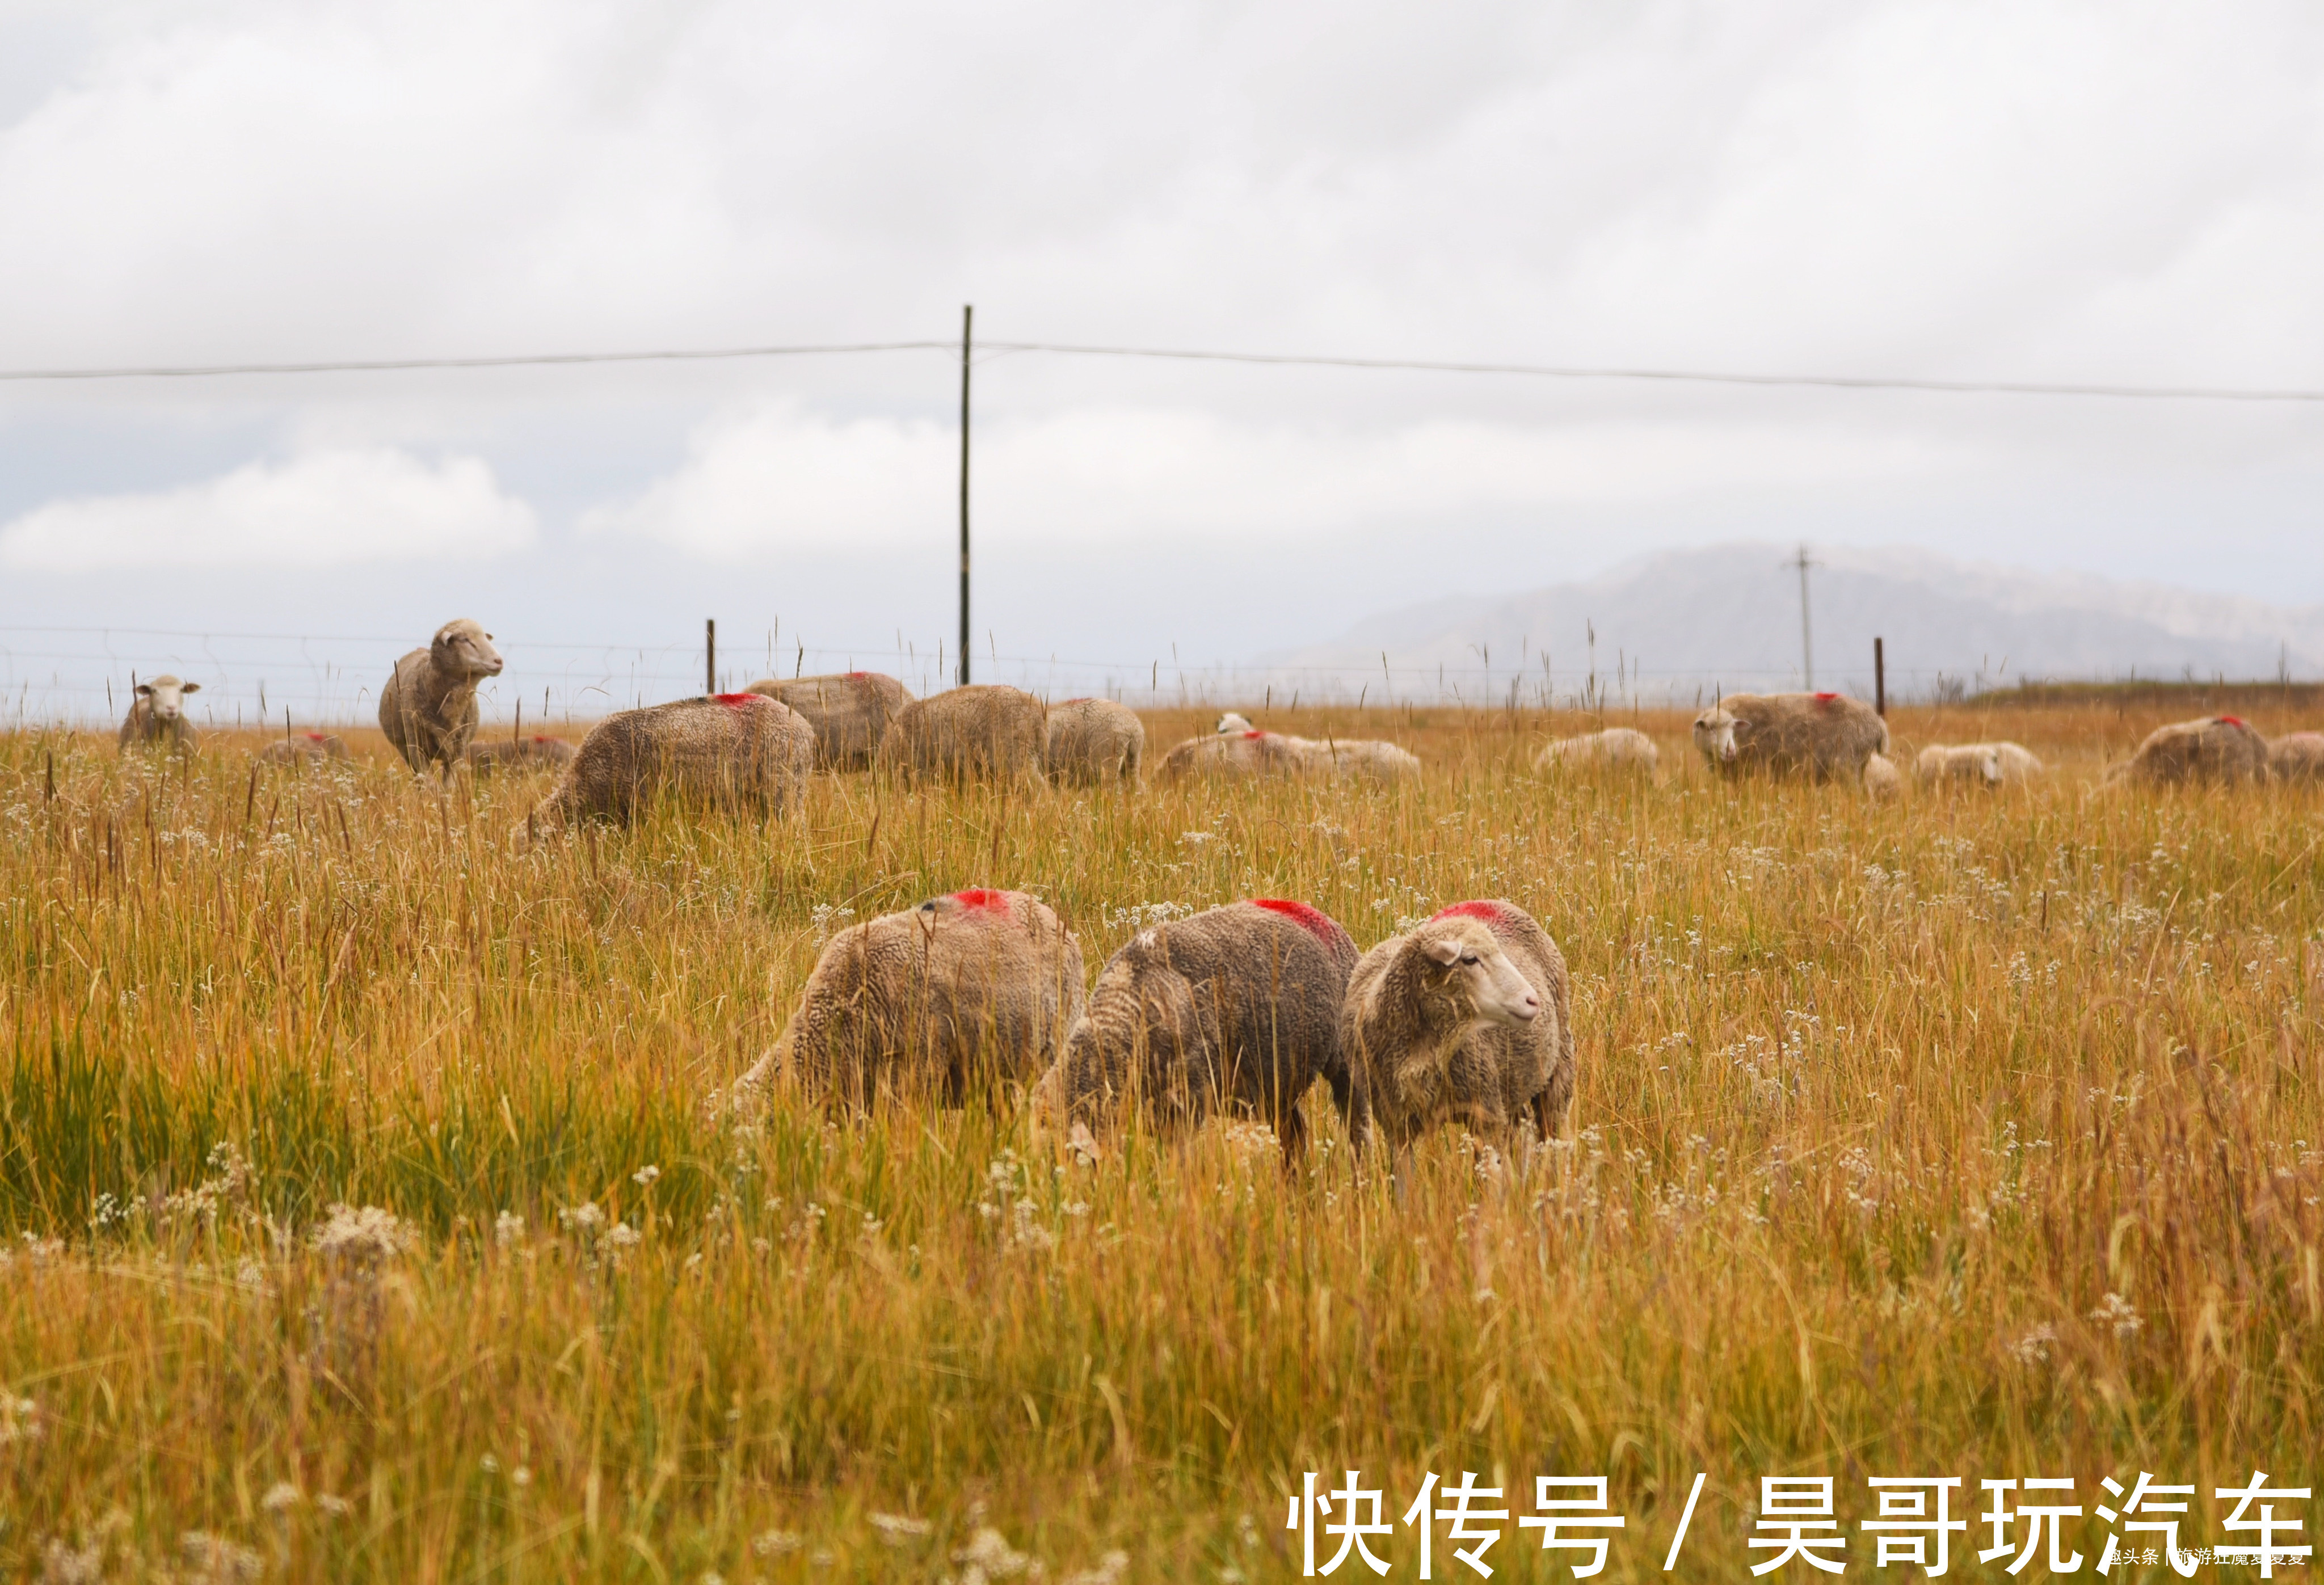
column 733, row 752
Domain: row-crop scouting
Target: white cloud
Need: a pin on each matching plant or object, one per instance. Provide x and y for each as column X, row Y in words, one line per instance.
column 330, row 509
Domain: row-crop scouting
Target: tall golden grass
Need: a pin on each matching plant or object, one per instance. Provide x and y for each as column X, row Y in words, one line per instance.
column 1974, row 1136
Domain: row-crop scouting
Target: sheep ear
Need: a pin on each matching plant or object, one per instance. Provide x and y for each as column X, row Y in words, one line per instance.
column 190, row 687
column 145, row 690
column 1441, row 951
column 1743, row 727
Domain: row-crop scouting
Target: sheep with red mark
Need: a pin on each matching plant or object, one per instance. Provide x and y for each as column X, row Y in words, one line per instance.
column 959, row 994
column 1095, row 742
column 532, row 752
column 2214, row 750
column 986, row 732
column 740, row 754
column 305, row 747
column 157, row 716
column 1824, row 737
column 429, row 708
column 1243, row 753
column 1617, row 749
column 850, row 711
column 1466, row 1019
column 1234, row 1010
column 2297, row 757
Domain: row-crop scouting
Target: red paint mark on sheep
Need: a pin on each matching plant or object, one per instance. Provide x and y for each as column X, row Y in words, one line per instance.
column 2231, row 721
column 1488, row 911
column 978, row 898
column 1253, row 736
column 739, row 701
column 859, row 674
column 316, row 737
column 1825, row 698
column 1313, row 920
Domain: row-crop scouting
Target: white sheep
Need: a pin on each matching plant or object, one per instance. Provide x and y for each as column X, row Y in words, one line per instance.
column 1882, row 779
column 158, row 715
column 429, row 708
column 1618, row 748
column 1095, row 742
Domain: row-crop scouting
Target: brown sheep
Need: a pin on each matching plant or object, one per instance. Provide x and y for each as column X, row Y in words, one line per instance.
column 1236, row 1008
column 534, row 749
column 741, row 752
column 1825, row 737
column 158, row 715
column 986, row 732
column 1095, row 742
column 2215, row 749
column 429, row 708
column 851, row 712
column 306, row 747
column 2297, row 756
column 1467, row 1020
column 952, row 996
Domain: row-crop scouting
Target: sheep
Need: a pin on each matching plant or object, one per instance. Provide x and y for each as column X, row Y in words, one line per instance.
column 2297, row 757
column 741, row 752
column 1826, row 737
column 1992, row 764
column 1371, row 760
column 532, row 750
column 1618, row 748
column 961, row 991
column 1093, row 742
column 1236, row 1008
column 158, row 715
column 1247, row 752
column 307, row 747
column 429, row 708
column 851, row 712
column 985, row 730
column 2216, row 748
column 1882, row 779
column 1466, row 1019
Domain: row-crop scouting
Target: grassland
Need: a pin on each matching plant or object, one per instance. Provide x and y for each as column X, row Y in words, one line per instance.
column 1977, row 1136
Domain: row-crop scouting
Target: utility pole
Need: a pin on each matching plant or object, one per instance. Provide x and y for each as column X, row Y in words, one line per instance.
column 710, row 654
column 1807, row 647
column 967, row 346
column 1879, row 678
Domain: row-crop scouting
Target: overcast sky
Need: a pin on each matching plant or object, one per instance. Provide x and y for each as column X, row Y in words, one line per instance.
column 2018, row 191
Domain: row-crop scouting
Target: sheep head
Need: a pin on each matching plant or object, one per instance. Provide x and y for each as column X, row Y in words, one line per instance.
column 164, row 697
column 1233, row 722
column 1461, row 960
column 463, row 649
column 1719, row 732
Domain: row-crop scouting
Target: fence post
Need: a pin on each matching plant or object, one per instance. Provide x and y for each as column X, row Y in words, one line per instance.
column 1879, row 678
column 710, row 654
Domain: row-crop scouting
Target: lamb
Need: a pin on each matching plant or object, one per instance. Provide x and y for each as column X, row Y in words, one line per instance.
column 2297, row 757
column 851, row 712
column 983, row 732
column 158, row 715
column 1882, row 779
column 950, row 997
column 1233, row 1009
column 307, row 747
column 532, row 750
column 1095, row 742
column 1466, row 1019
column 1982, row 764
column 429, row 708
column 733, row 753
column 1618, row 748
column 1826, row 737
column 2215, row 749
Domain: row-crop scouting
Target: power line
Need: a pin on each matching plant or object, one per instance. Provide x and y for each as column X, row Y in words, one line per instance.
column 1189, row 354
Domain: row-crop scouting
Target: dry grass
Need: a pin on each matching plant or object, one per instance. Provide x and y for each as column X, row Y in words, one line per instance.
column 1893, row 1121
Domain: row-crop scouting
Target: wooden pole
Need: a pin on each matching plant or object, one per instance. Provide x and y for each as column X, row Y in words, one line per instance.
column 1879, row 678
column 967, row 327
column 710, row 654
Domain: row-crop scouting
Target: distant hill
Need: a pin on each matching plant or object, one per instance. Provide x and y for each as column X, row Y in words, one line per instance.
column 1689, row 621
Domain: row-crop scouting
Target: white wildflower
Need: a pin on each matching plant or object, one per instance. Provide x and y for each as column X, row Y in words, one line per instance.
column 776, row 1542
column 645, row 1176
column 213, row 1560
column 282, row 1497
column 898, row 1529
column 508, row 1228
column 365, row 1237
column 2116, row 1312
column 20, row 1420
column 336, row 1507
column 2033, row 1348
column 1110, row 1570
column 585, row 1218
column 989, row 1556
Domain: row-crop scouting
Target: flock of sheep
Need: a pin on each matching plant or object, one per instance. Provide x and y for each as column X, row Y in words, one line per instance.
column 1464, row 1019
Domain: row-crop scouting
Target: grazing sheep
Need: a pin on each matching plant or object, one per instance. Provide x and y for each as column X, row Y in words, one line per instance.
column 1618, row 748
column 1236, row 1008
column 158, row 715
column 532, row 749
column 2297, row 757
column 1982, row 764
column 1466, row 1019
column 2218, row 748
column 1371, row 760
column 307, row 747
column 1233, row 720
column 1246, row 752
column 1093, row 742
column 429, row 708
column 955, row 994
column 1826, row 737
column 851, row 712
column 1882, row 779
column 983, row 731
column 731, row 752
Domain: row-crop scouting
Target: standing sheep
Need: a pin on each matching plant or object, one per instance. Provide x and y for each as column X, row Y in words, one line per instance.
column 2216, row 748
column 158, row 715
column 985, row 732
column 534, row 749
column 306, row 747
column 729, row 752
column 1095, row 742
column 1466, row 1019
column 1825, row 737
column 959, row 992
column 429, row 708
column 1236, row 1008
column 851, row 712
column 1618, row 748
column 2297, row 756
